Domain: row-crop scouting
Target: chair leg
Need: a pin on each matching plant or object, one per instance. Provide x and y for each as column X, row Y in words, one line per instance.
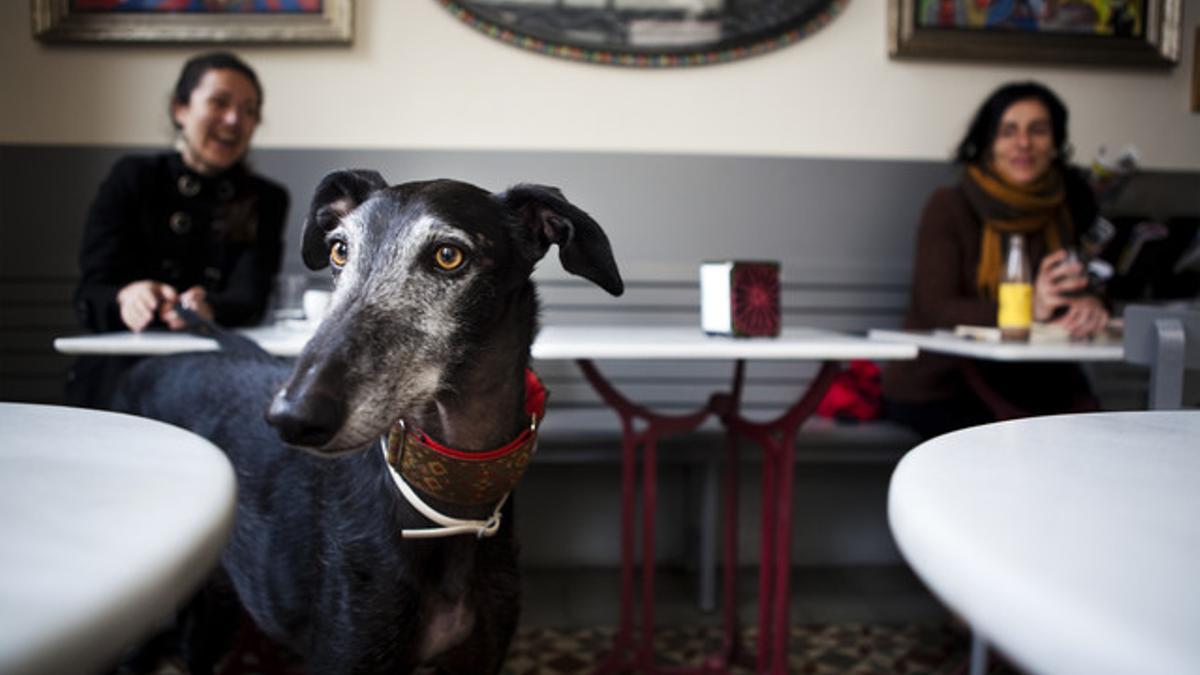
column 1166, row 370
column 708, row 536
column 979, row 654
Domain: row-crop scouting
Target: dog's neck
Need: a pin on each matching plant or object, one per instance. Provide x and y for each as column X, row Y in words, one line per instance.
column 484, row 409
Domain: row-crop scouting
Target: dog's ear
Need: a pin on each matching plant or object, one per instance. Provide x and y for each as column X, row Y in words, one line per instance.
column 583, row 248
column 338, row 194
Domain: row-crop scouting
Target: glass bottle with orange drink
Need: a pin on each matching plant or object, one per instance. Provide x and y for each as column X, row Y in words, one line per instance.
column 1015, row 315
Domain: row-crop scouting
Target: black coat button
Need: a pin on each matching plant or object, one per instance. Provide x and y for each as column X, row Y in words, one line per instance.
column 189, row 185
column 180, row 223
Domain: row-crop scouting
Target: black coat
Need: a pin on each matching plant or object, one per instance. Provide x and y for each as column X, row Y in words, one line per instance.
column 154, row 218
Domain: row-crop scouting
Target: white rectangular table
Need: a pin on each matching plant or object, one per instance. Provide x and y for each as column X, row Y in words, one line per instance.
column 553, row 343
column 641, row 430
column 945, row 342
column 278, row 340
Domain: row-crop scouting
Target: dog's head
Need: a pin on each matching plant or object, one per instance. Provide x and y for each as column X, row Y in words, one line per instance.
column 422, row 272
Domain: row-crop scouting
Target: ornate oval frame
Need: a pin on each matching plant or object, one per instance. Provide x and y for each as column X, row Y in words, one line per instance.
column 753, row 45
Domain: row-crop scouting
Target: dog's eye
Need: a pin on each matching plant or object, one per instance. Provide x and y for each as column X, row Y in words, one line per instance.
column 339, row 253
column 449, row 257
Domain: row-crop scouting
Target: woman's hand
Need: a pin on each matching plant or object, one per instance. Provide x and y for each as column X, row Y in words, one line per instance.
column 1085, row 317
column 1059, row 281
column 195, row 299
column 1056, row 280
column 141, row 300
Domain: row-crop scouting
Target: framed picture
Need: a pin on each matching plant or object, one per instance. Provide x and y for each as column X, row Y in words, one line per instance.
column 150, row 21
column 647, row 33
column 1135, row 33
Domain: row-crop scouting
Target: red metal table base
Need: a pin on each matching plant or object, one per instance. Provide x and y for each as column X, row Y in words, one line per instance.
column 777, row 439
column 641, row 428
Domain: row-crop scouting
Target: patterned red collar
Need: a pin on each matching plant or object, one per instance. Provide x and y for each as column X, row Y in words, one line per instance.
column 467, row 478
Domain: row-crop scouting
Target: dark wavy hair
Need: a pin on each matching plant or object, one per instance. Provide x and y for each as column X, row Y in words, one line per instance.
column 197, row 66
column 977, row 143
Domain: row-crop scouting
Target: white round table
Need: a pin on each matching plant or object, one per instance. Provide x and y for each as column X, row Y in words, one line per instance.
column 107, row 523
column 1071, row 543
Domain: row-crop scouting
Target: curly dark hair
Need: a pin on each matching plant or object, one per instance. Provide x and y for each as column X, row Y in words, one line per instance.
column 977, row 143
column 194, row 70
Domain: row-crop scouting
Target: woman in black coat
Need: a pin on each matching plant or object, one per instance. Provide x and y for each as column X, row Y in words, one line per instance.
column 192, row 227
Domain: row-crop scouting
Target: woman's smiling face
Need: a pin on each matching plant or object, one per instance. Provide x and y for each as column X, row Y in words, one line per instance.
column 218, row 120
column 1024, row 146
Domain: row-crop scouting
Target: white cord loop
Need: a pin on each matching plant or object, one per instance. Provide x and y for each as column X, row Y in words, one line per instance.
column 448, row 526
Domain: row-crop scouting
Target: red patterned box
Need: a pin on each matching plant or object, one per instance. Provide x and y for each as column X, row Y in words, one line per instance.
column 740, row 298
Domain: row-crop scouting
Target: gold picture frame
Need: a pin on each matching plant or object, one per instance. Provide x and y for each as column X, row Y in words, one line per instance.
column 56, row 21
column 1157, row 46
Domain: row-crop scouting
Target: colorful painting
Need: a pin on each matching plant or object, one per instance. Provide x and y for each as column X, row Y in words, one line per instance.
column 197, row 21
column 1092, row 32
column 1124, row 18
column 204, row 6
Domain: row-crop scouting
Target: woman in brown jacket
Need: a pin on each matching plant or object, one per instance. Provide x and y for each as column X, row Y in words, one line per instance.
column 1015, row 180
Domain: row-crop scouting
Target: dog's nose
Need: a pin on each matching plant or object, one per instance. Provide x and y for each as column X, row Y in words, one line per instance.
column 310, row 420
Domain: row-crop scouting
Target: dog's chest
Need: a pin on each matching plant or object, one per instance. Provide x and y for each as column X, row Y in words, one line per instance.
column 447, row 625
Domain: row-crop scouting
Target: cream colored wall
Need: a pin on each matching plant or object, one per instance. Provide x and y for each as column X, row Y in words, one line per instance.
column 416, row 78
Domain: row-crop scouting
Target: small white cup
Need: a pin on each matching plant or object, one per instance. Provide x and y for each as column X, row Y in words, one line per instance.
column 289, row 292
column 316, row 301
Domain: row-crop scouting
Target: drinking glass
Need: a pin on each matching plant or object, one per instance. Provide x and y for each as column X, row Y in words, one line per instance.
column 1077, row 257
column 289, row 298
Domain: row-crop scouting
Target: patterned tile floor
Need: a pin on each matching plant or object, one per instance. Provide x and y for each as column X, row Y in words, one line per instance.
column 846, row 620
column 816, row 649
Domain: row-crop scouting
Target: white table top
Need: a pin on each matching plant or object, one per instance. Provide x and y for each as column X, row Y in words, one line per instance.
column 107, row 523
column 947, row 343
column 553, row 342
column 1071, row 542
column 280, row 341
column 685, row 342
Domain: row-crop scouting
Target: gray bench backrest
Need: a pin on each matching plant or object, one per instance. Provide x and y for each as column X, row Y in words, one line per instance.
column 841, row 228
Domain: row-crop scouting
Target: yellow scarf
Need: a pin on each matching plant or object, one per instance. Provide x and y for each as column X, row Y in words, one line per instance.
column 1007, row 209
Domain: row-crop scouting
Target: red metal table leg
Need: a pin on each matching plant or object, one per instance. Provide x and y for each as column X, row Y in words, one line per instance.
column 777, row 438
column 780, row 630
column 624, row 638
column 649, row 509
column 633, row 650
column 778, row 441
column 731, row 645
column 766, row 552
column 731, row 652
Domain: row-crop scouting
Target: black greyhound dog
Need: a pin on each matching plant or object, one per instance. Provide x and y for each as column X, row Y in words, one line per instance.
column 336, row 552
